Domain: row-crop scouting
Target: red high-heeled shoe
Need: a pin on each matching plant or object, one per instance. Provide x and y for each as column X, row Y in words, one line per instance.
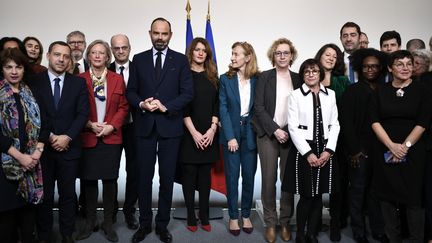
column 192, row 228
column 206, row 227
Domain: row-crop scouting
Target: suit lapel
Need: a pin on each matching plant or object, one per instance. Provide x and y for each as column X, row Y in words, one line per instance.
column 252, row 93
column 234, row 85
column 64, row 92
column 166, row 66
column 110, row 89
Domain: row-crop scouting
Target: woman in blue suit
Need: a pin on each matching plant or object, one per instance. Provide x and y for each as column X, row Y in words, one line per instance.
column 237, row 88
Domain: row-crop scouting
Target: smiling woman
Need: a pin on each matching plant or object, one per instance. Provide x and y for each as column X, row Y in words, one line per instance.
column 34, row 52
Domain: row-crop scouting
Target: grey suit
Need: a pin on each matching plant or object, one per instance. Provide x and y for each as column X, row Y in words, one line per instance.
column 269, row 149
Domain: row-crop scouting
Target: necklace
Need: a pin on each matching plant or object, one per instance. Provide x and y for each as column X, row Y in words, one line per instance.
column 400, row 92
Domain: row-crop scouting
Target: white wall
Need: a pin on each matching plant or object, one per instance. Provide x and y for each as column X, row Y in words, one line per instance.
column 309, row 24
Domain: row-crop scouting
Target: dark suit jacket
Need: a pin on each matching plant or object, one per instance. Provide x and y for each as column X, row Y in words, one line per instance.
column 229, row 111
column 265, row 102
column 116, row 109
column 72, row 113
column 174, row 90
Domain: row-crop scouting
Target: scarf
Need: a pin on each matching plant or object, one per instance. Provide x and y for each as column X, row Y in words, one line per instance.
column 30, row 183
column 99, row 84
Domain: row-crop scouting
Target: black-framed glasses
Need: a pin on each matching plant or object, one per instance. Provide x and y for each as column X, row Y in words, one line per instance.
column 374, row 67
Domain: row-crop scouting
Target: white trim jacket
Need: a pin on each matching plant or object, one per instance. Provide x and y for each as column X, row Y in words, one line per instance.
column 301, row 118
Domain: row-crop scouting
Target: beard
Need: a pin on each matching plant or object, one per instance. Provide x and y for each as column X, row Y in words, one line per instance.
column 160, row 45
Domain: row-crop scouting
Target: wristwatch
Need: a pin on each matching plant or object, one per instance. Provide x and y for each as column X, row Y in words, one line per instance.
column 40, row 149
column 408, row 144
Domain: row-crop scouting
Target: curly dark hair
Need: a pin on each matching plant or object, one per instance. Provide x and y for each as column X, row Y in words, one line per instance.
column 361, row 54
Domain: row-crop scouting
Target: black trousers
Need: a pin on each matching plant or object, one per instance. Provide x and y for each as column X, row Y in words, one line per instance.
column 196, row 177
column 17, row 224
column 131, row 194
column 339, row 204
column 361, row 199
column 428, row 196
column 55, row 168
column 415, row 218
column 109, row 196
column 166, row 150
column 309, row 210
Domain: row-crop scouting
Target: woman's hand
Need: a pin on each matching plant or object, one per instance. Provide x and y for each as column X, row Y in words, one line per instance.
column 312, row 160
column 107, row 129
column 208, row 137
column 96, row 127
column 398, row 150
column 355, row 159
column 27, row 162
column 324, row 158
column 233, row 145
column 281, row 135
column 198, row 139
column 36, row 154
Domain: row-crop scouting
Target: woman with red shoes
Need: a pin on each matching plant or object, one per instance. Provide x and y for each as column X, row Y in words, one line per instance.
column 200, row 147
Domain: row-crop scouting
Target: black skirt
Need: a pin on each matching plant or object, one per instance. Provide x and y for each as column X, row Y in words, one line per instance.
column 101, row 162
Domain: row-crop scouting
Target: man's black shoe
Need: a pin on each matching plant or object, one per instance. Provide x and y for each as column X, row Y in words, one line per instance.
column 131, row 221
column 141, row 234
column 360, row 239
column 164, row 235
column 382, row 238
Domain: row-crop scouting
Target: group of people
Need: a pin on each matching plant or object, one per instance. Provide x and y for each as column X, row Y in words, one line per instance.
column 352, row 123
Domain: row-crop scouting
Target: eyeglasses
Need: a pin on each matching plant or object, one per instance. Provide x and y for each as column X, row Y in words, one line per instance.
column 374, row 67
column 401, row 65
column 311, row 72
column 74, row 43
column 282, row 53
column 123, row 48
column 364, row 42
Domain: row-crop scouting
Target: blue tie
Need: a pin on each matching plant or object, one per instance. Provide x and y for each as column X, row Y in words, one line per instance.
column 56, row 92
column 351, row 72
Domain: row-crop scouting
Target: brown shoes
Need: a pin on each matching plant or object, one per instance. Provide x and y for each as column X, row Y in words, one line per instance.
column 285, row 233
column 270, row 234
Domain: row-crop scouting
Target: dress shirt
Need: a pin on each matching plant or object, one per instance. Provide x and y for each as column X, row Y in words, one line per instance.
column 284, row 87
column 164, row 53
column 81, row 66
column 125, row 70
column 347, row 68
column 245, row 92
column 52, row 77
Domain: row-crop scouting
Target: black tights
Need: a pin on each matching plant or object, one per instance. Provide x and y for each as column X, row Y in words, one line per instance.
column 309, row 211
column 109, row 196
column 196, row 177
column 18, row 222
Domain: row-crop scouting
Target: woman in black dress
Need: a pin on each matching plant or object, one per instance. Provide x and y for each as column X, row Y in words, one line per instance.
column 199, row 147
column 23, row 134
column 399, row 114
column 314, row 128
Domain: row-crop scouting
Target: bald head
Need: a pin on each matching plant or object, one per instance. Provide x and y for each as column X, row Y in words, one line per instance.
column 120, row 48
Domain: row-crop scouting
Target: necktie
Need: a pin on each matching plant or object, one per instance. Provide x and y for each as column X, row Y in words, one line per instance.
column 121, row 70
column 351, row 72
column 76, row 69
column 158, row 66
column 56, row 92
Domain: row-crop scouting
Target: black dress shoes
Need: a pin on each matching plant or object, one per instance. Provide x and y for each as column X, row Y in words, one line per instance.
column 141, row 234
column 164, row 235
column 382, row 238
column 131, row 221
column 68, row 239
column 360, row 239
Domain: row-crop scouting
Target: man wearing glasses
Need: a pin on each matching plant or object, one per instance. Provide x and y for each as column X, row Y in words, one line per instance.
column 77, row 42
column 121, row 48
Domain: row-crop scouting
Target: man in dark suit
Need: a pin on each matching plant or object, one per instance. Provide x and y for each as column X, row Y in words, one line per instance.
column 77, row 42
column 160, row 86
column 121, row 48
column 67, row 113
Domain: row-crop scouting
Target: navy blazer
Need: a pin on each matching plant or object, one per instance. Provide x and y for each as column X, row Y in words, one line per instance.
column 229, row 111
column 72, row 112
column 174, row 90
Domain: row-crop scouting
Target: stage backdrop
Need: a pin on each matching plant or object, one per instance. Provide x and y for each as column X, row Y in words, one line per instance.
column 308, row 24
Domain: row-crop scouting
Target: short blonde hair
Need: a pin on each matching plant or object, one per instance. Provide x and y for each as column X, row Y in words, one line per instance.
column 107, row 50
column 274, row 46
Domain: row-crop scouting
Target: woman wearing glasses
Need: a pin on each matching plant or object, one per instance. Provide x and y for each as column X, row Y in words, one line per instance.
column 270, row 121
column 399, row 115
column 314, row 128
column 236, row 96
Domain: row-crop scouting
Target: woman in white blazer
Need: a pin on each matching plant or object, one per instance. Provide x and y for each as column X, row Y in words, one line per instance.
column 314, row 128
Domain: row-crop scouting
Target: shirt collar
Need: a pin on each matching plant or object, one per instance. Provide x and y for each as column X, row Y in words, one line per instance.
column 126, row 65
column 52, row 76
column 305, row 89
column 164, row 51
